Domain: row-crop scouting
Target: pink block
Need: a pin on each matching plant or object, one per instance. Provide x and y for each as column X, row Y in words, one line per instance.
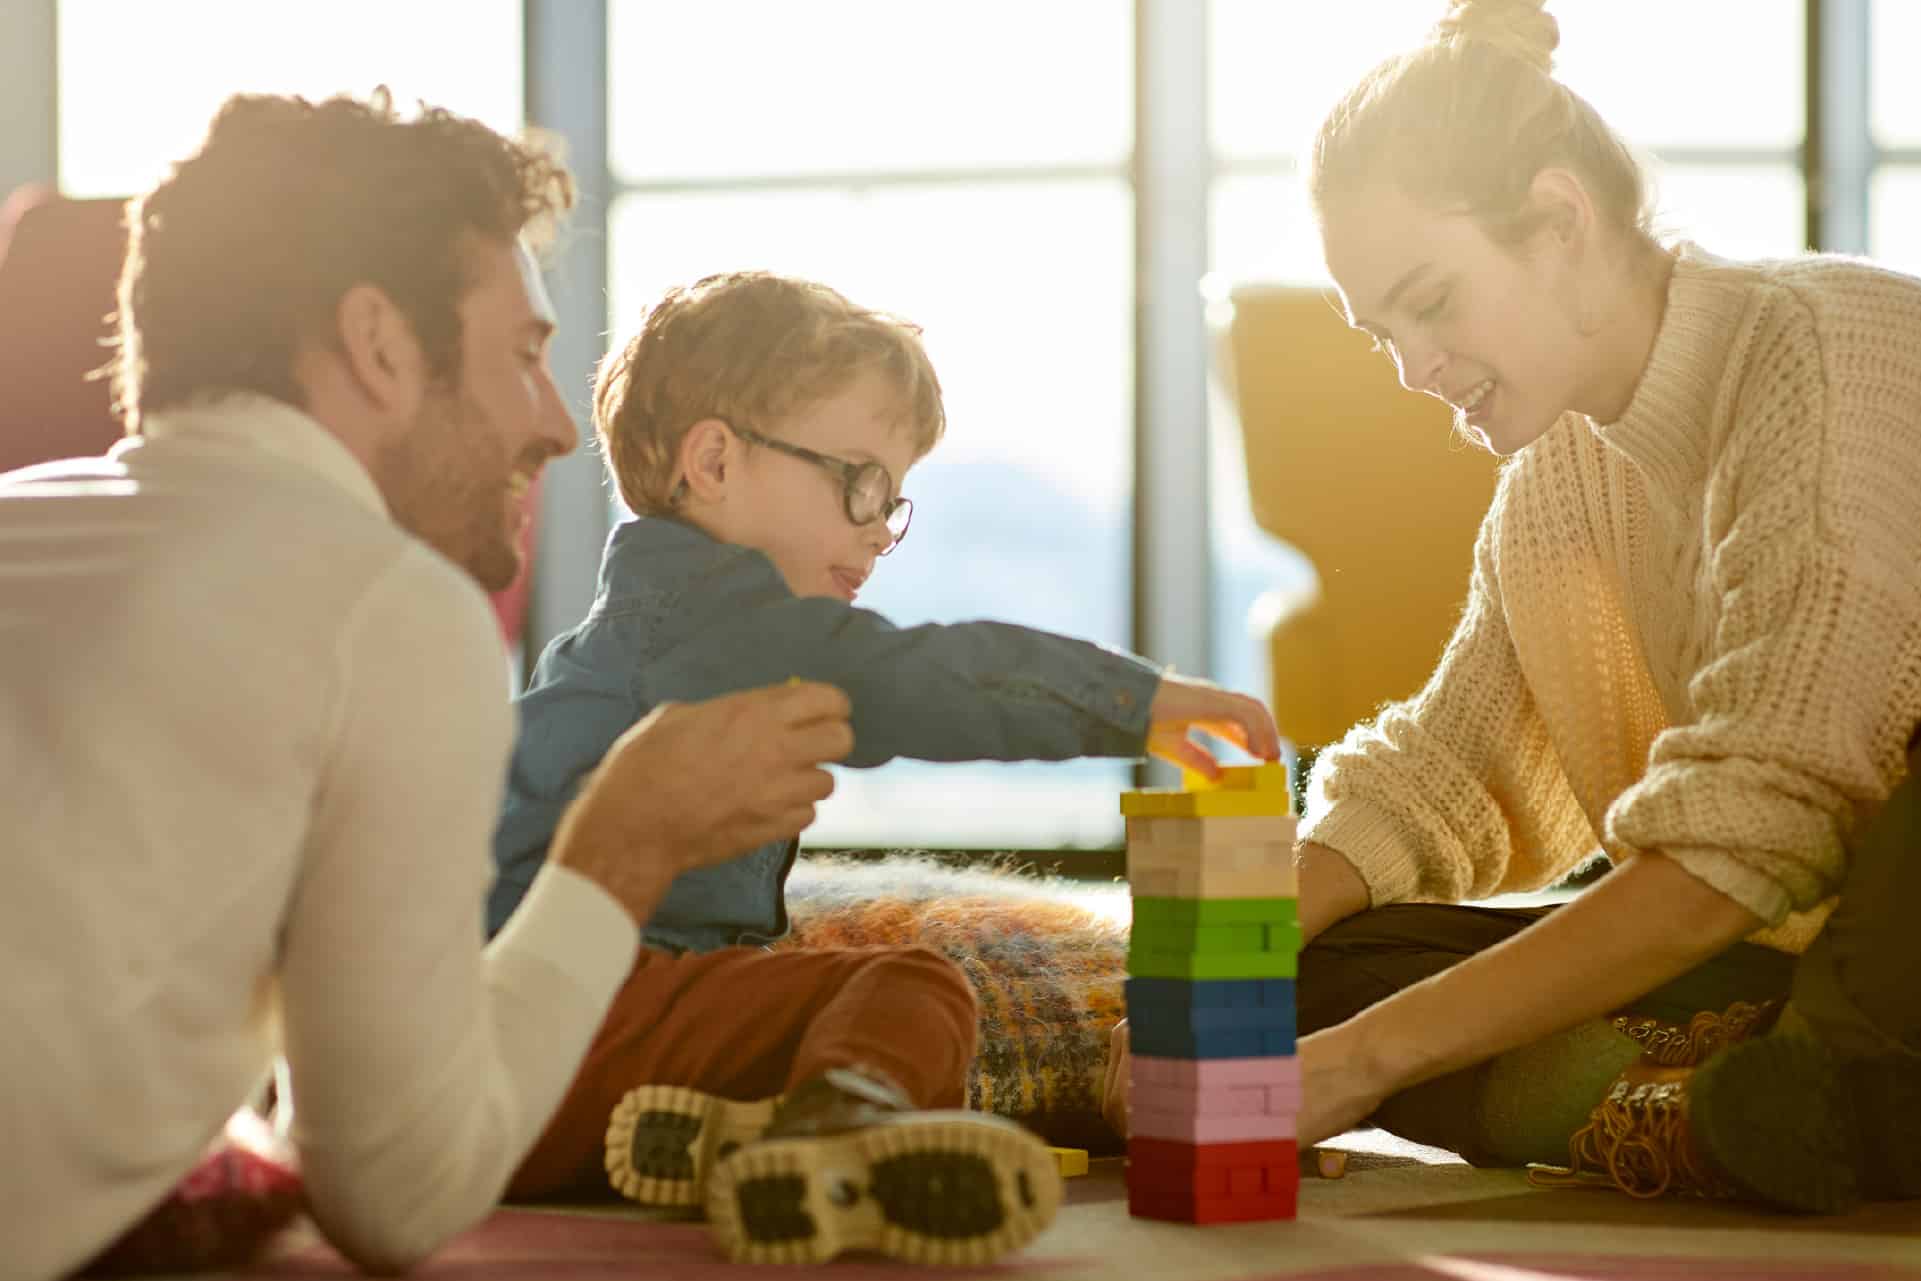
column 1231, row 1100
column 1188, row 1128
column 1276, row 1070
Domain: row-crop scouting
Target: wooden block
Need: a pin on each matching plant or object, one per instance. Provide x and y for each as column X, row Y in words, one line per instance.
column 1072, row 1161
column 1212, row 1182
column 1185, row 1127
column 1277, row 963
column 1168, row 936
column 1224, row 858
column 1215, row 1100
column 1167, row 1160
column 1217, row 911
column 1176, row 1208
column 1189, row 832
column 1284, row 1071
column 1166, row 803
column 1210, row 881
column 1268, row 776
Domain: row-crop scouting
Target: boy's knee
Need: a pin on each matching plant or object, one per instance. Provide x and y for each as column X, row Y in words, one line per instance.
column 925, row 966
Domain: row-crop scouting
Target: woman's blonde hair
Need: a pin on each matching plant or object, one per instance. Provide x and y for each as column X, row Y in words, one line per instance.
column 748, row 347
column 1467, row 119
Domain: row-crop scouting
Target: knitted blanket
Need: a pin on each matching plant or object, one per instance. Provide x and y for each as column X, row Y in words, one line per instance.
column 1046, row 956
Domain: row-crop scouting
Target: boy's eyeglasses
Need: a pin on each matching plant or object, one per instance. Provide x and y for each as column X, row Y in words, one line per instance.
column 865, row 487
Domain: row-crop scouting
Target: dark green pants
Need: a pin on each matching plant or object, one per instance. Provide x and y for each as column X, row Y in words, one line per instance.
column 1859, row 985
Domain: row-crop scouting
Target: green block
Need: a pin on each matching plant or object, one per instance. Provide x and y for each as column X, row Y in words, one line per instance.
column 1145, row 964
column 1214, row 911
column 1176, row 936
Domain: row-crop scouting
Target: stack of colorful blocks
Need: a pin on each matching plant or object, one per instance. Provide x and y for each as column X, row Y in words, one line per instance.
column 1210, row 1002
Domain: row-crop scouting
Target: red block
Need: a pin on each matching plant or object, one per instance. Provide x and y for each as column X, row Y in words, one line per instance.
column 1212, row 1182
column 1156, row 1203
column 1169, row 1152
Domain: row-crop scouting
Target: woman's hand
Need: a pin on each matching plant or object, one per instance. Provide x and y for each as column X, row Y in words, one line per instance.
column 1183, row 704
column 1340, row 1088
column 1338, row 1091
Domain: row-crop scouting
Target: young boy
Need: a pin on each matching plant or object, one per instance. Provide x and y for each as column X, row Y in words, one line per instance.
column 761, row 428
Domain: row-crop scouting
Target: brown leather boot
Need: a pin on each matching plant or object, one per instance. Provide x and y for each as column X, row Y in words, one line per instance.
column 1638, row 1140
column 1690, row 1044
column 1775, row 1119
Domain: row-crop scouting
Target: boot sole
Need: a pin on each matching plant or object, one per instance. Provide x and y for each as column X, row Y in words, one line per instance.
column 1887, row 1102
column 663, row 1141
column 931, row 1187
column 1776, row 1116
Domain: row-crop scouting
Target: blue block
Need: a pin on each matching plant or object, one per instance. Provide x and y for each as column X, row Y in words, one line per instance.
column 1213, row 994
column 1211, row 1019
column 1174, row 1043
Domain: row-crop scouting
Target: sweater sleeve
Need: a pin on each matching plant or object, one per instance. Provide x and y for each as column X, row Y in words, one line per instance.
column 1812, row 680
column 1456, row 793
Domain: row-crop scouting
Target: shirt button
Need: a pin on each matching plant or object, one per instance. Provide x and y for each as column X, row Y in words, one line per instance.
column 1123, row 700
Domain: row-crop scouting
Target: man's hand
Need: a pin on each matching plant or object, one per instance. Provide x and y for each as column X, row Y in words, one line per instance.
column 700, row 783
column 1183, row 704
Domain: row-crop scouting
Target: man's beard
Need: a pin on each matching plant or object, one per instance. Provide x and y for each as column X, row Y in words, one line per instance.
column 436, row 493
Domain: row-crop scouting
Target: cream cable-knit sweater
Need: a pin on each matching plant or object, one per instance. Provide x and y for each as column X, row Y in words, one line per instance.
column 1696, row 630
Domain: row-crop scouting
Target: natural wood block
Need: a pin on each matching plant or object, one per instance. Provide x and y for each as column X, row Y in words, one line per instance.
column 1207, row 880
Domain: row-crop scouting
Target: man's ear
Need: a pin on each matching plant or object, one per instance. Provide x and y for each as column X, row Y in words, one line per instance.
column 381, row 350
column 706, row 459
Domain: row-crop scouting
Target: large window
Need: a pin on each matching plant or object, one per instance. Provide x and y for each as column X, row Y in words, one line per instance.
column 1894, row 209
column 923, row 160
column 139, row 81
column 970, row 166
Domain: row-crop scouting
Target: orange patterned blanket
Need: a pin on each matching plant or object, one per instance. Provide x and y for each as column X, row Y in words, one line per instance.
column 1046, row 956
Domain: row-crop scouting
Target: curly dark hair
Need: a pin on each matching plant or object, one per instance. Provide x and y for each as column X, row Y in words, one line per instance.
column 243, row 251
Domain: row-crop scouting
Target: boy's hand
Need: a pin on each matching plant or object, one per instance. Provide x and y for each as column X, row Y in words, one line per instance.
column 1183, row 704
column 699, row 783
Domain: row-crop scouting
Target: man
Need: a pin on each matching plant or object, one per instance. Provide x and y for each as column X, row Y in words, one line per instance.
column 253, row 719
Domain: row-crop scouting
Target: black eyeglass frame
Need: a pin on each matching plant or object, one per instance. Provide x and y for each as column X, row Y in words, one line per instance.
column 848, row 473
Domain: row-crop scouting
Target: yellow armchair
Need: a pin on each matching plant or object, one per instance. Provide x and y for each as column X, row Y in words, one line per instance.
column 1368, row 481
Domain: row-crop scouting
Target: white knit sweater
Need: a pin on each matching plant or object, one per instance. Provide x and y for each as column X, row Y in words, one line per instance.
column 1695, row 631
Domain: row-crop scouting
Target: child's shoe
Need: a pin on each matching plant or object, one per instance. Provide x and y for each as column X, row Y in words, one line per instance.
column 662, row 1141
column 844, row 1167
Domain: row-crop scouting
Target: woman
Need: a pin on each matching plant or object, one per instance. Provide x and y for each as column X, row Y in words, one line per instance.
column 1692, row 642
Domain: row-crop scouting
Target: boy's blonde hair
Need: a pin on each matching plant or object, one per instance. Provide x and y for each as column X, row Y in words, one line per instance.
column 1468, row 119
column 747, row 347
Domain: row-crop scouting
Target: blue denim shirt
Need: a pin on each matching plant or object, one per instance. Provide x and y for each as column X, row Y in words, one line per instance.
column 680, row 616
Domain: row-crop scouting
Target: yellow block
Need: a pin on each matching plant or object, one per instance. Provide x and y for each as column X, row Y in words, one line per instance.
column 1072, row 1161
column 1164, row 803
column 1268, row 776
column 1242, row 791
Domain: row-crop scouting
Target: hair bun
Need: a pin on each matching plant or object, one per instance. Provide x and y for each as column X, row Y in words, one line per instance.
column 1523, row 28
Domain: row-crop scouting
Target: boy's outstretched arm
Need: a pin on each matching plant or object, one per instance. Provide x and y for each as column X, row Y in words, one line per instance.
column 977, row 690
column 1184, row 704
